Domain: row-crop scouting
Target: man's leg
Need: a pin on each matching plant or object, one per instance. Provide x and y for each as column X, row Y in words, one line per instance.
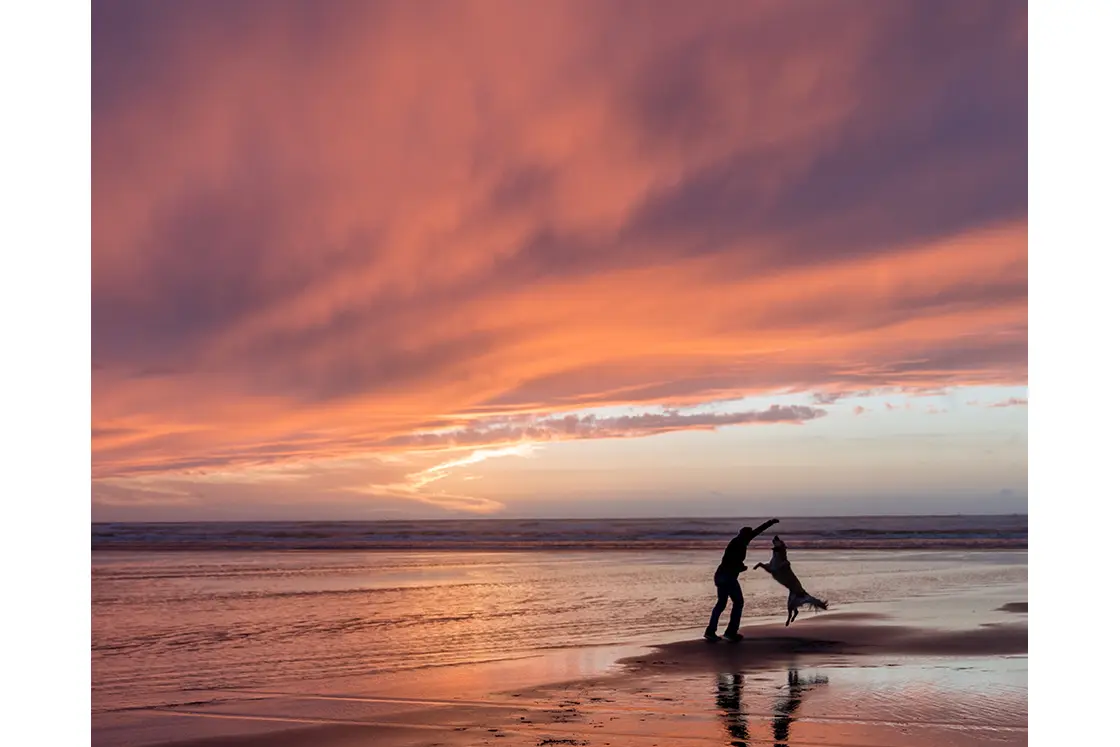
column 721, row 603
column 736, row 593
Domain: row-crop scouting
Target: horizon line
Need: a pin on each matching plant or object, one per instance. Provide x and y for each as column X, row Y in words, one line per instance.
column 570, row 518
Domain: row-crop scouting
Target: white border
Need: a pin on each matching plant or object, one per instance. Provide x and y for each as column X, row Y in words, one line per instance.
column 45, row 376
column 1073, row 334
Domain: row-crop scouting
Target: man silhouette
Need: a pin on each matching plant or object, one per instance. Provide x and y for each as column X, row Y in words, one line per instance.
column 727, row 582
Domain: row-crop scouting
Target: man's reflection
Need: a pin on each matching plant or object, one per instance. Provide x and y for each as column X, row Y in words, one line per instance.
column 729, row 699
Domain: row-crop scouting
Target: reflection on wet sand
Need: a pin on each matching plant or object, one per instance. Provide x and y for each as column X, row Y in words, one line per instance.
column 729, row 699
column 788, row 705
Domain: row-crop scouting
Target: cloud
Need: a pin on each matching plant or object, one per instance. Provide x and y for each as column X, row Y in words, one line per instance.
column 441, row 470
column 342, row 488
column 415, row 486
column 832, row 397
column 572, row 427
column 438, row 499
column 1012, row 402
column 337, row 229
column 138, row 494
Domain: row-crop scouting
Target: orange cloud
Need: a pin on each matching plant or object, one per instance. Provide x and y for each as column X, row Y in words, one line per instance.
column 325, row 230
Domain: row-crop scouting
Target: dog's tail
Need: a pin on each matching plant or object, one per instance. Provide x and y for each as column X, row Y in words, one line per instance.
column 808, row 600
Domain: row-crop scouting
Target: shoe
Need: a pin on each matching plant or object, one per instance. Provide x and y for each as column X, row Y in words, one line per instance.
column 711, row 637
column 733, row 637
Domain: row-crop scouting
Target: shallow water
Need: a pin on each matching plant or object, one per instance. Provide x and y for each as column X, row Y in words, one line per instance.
column 168, row 623
column 870, row 702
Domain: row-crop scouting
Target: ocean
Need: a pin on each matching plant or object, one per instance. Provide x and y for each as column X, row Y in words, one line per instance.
column 182, row 608
column 832, row 533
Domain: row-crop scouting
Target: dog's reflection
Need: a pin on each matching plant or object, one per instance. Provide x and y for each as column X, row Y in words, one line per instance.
column 729, row 699
column 790, row 702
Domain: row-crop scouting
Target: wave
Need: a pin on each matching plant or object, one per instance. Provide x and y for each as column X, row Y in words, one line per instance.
column 496, row 535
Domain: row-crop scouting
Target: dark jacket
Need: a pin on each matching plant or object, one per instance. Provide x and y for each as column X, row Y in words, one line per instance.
column 736, row 552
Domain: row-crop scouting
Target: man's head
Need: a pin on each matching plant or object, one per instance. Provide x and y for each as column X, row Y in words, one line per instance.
column 746, row 531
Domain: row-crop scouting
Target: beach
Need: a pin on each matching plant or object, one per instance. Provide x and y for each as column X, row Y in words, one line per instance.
column 567, row 647
column 854, row 678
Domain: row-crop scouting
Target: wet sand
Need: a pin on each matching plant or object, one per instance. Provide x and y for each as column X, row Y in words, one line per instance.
column 845, row 678
column 839, row 637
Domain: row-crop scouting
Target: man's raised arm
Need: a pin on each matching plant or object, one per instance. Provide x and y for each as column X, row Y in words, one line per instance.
column 763, row 527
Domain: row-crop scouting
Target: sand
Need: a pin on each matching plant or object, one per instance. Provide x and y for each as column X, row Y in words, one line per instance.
column 859, row 677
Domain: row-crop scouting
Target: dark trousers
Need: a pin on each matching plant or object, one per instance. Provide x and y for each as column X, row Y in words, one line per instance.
column 727, row 586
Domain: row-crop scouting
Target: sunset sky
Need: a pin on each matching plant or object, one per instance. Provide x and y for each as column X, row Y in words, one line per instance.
column 558, row 258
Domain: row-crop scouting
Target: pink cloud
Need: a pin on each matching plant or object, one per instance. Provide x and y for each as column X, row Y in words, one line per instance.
column 335, row 228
